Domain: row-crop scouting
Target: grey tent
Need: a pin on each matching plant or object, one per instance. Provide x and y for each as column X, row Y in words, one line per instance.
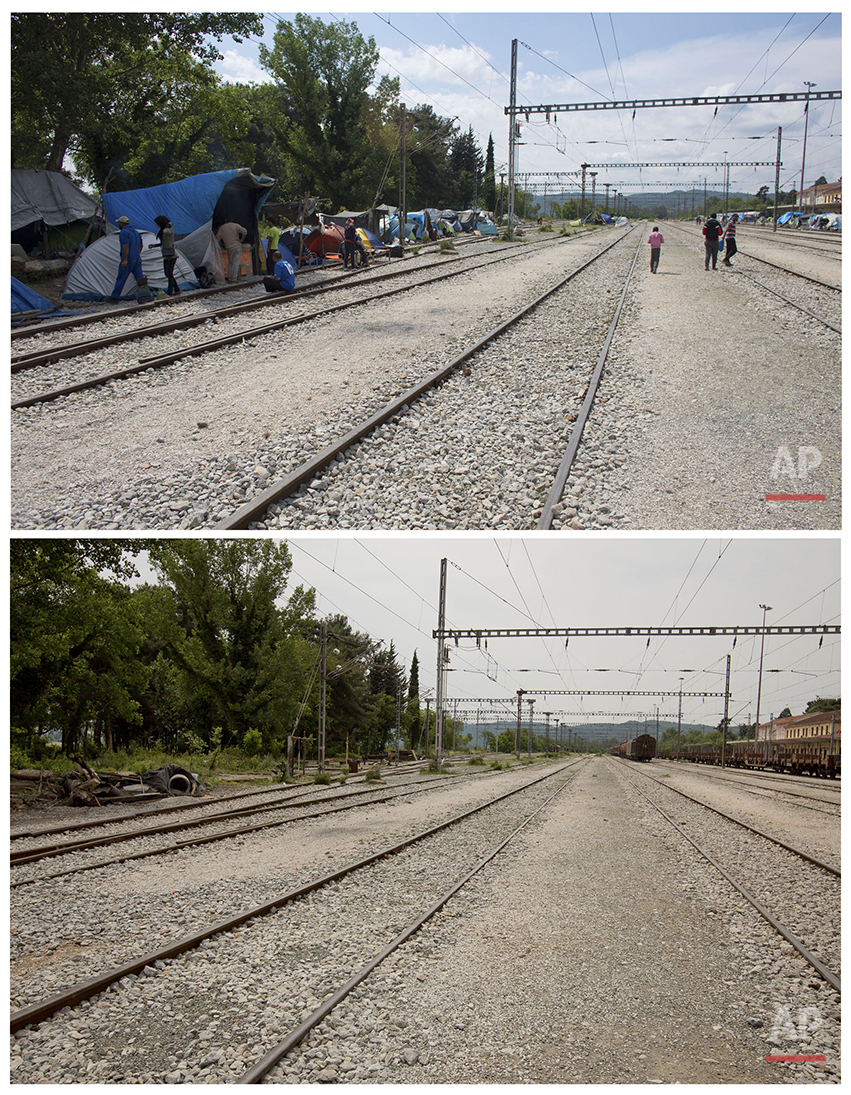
column 47, row 196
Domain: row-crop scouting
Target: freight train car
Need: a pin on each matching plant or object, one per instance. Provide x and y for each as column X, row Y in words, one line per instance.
column 641, row 748
column 813, row 754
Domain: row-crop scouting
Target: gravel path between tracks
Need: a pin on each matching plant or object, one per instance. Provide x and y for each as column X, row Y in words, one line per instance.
column 734, row 395
column 596, row 949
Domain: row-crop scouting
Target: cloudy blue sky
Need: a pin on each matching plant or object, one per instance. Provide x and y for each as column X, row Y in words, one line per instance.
column 459, row 63
column 388, row 586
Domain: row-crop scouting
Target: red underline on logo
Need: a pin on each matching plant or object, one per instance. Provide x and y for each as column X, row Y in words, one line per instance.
column 771, row 1058
column 796, row 497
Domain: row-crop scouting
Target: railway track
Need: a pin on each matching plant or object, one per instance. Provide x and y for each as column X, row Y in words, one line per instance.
column 306, row 305
column 769, row 786
column 796, row 894
column 296, row 954
column 288, row 810
column 253, row 514
column 826, row 297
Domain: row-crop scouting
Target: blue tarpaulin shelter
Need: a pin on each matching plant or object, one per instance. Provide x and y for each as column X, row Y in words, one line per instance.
column 26, row 299
column 189, row 203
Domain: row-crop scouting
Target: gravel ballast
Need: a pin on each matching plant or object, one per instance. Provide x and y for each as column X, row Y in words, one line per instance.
column 596, row 948
column 711, row 383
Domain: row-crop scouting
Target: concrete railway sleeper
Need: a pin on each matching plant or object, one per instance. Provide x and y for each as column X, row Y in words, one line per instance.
column 813, row 888
column 507, row 804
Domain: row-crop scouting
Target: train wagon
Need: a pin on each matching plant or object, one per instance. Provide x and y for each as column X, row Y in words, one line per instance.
column 641, row 748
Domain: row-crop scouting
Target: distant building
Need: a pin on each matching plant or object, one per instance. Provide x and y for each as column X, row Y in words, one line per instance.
column 826, row 198
column 822, row 723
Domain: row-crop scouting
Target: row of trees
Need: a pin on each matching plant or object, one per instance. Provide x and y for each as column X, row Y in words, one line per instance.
column 219, row 653
column 134, row 101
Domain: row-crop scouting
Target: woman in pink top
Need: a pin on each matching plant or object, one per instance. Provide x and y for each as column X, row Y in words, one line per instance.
column 655, row 240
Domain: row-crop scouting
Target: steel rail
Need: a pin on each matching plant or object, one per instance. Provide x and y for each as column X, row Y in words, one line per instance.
column 160, row 360
column 828, row 975
column 35, row 358
column 761, row 773
column 34, row 855
column 751, row 828
column 794, row 304
column 195, row 804
column 136, row 815
column 777, row 266
column 85, row 990
column 31, row 360
column 208, row 838
column 266, row 1063
column 253, row 510
column 560, row 481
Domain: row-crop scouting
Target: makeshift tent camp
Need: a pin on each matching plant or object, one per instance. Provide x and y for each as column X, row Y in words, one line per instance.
column 93, row 275
column 200, row 201
column 47, row 197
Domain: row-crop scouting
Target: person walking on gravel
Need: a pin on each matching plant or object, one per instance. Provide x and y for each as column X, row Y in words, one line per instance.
column 712, row 231
column 655, row 239
column 130, row 244
column 230, row 235
column 730, row 247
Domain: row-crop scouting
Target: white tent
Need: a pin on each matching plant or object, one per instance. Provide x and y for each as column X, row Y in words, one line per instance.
column 92, row 277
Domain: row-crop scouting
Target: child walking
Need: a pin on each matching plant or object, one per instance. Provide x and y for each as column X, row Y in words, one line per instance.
column 655, row 240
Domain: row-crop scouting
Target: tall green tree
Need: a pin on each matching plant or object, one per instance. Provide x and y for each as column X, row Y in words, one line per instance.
column 323, row 73
column 466, row 166
column 429, row 174
column 69, row 69
column 244, row 655
column 489, row 181
column 73, row 637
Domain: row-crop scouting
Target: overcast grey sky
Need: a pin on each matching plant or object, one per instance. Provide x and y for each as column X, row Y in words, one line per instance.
column 459, row 63
column 388, row 586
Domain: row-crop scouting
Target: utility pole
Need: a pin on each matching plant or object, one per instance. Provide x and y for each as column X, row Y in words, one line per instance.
column 520, row 694
column 593, row 190
column 323, row 673
column 529, row 739
column 512, row 136
column 438, row 702
column 726, row 714
column 680, row 718
column 804, row 153
column 777, row 179
column 582, row 207
column 765, row 608
column 398, row 719
column 403, row 158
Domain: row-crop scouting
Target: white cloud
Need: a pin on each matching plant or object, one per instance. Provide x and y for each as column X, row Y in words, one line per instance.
column 237, row 69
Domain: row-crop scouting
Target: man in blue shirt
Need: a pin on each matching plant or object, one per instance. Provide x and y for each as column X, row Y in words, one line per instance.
column 130, row 244
column 283, row 279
